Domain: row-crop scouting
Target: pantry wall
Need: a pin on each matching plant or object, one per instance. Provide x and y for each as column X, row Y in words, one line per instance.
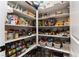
column 41, row 30
column 3, row 13
column 74, row 28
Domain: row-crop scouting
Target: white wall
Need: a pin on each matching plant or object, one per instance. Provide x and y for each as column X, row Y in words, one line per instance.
column 74, row 9
column 3, row 13
column 74, row 17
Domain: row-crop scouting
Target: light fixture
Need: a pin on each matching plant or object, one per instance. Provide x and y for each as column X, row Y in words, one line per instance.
column 36, row 4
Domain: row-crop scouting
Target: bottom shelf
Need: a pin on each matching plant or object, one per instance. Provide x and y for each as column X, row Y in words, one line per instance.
column 27, row 50
column 45, row 52
column 52, row 48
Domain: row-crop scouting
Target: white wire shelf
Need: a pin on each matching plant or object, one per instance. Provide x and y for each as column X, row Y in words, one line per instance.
column 52, row 36
column 55, row 16
column 52, row 48
column 21, row 38
column 51, row 26
column 20, row 13
column 24, row 5
column 55, row 7
column 23, row 14
column 10, row 25
column 27, row 50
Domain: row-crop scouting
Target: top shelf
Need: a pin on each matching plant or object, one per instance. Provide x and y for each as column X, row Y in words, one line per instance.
column 24, row 15
column 19, row 13
column 24, row 5
column 55, row 7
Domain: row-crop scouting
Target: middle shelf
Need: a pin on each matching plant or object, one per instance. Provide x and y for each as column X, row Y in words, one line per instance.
column 25, row 37
column 51, row 26
column 53, row 36
column 10, row 25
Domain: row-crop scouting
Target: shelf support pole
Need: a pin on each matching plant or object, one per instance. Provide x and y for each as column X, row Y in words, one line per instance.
column 37, row 27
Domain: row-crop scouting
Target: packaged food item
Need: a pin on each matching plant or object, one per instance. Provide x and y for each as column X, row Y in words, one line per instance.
column 10, row 18
column 16, row 34
column 10, row 34
column 66, row 46
column 59, row 23
column 66, row 55
column 57, row 45
column 6, row 34
column 42, row 43
column 30, row 13
column 49, row 44
column 14, row 55
column 67, row 22
column 14, row 51
column 10, row 53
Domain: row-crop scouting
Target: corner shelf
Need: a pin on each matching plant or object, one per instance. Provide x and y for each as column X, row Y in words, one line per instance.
column 21, row 38
column 27, row 50
column 52, row 48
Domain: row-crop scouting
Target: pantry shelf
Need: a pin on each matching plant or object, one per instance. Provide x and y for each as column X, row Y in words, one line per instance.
column 52, row 36
column 51, row 26
column 27, row 50
column 55, row 7
column 52, row 48
column 8, row 41
column 21, row 14
column 10, row 25
column 55, row 16
column 24, row 5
